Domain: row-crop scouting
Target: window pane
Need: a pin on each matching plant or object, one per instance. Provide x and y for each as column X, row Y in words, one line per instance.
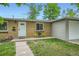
column 3, row 26
column 39, row 26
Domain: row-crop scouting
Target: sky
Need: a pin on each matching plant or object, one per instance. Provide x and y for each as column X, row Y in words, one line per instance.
column 22, row 11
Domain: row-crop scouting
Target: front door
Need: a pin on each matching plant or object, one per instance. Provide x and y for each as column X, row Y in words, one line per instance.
column 22, row 29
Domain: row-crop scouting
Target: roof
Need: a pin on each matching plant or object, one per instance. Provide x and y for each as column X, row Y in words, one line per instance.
column 67, row 18
column 21, row 19
column 57, row 20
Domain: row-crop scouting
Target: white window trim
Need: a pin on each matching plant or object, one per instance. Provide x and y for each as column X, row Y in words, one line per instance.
column 7, row 28
column 36, row 26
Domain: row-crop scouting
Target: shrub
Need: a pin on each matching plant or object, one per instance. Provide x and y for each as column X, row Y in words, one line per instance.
column 4, row 39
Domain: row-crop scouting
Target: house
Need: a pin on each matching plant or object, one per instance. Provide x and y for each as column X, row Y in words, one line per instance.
column 64, row 28
column 25, row 28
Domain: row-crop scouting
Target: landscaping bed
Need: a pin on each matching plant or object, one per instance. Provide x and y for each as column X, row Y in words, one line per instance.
column 53, row 47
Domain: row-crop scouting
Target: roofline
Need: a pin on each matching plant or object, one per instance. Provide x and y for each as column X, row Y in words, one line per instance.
column 67, row 18
column 50, row 21
column 27, row 20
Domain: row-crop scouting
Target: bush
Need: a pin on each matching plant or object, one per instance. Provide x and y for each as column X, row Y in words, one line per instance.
column 9, row 38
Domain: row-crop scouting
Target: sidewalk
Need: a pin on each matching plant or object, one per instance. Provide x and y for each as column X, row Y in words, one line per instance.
column 22, row 49
column 25, row 39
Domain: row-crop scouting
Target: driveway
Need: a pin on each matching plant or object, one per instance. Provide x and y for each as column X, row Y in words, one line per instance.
column 74, row 41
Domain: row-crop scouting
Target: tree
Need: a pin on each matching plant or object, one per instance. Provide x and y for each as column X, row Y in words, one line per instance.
column 4, row 4
column 64, row 13
column 71, row 13
column 7, row 4
column 1, row 19
column 75, row 4
column 51, row 11
column 34, row 10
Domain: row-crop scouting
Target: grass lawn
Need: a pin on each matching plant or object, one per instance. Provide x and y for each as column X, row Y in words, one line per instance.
column 53, row 47
column 7, row 49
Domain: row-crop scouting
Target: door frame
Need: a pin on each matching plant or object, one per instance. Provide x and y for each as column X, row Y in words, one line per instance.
column 19, row 28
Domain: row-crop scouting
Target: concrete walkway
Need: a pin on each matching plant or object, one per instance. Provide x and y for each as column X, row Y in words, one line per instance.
column 22, row 49
column 25, row 39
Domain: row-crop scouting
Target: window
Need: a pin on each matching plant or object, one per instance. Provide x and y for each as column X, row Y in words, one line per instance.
column 22, row 23
column 39, row 26
column 3, row 26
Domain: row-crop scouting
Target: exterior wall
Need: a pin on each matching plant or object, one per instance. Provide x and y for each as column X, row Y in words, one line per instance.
column 59, row 29
column 10, row 32
column 31, row 29
column 73, row 30
column 48, row 29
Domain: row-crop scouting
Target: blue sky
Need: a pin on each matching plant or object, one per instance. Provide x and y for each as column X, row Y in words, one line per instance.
column 22, row 12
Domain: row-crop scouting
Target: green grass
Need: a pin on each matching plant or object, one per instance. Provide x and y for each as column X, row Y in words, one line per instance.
column 53, row 47
column 7, row 49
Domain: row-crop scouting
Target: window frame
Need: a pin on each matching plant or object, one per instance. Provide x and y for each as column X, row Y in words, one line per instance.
column 36, row 26
column 6, row 29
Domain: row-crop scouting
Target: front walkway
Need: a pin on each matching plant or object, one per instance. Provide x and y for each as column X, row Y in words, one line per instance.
column 25, row 39
column 22, row 49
